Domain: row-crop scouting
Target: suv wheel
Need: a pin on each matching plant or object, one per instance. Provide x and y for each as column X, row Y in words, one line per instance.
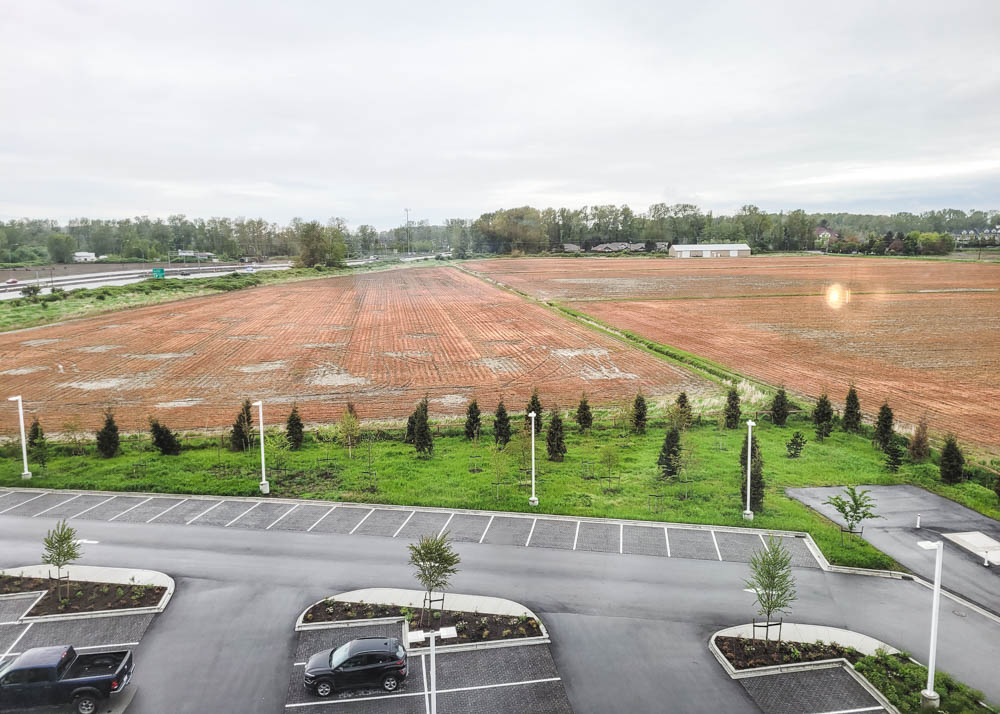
column 390, row 682
column 85, row 704
column 324, row 687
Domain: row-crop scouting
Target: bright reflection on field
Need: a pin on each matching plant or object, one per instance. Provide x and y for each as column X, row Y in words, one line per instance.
column 837, row 296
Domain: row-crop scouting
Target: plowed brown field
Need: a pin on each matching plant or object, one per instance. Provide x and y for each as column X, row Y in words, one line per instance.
column 381, row 340
column 925, row 335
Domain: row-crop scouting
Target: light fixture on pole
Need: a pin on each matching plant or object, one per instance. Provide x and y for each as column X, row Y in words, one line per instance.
column 24, row 446
column 265, row 487
column 420, row 636
column 534, row 499
column 748, row 514
column 929, row 699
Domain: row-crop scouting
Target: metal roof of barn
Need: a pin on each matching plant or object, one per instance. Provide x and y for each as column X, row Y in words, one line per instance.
column 711, row 246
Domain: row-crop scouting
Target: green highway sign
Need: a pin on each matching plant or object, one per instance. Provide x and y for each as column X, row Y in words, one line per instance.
column 159, row 273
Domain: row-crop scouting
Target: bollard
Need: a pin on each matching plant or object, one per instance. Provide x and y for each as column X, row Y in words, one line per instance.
column 918, row 520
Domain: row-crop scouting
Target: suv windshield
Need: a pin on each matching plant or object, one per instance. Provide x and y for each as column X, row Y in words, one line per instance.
column 339, row 655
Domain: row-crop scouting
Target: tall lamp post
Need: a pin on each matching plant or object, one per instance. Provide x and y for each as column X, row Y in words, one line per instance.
column 929, row 699
column 420, row 636
column 534, row 499
column 24, row 446
column 748, row 514
column 265, row 487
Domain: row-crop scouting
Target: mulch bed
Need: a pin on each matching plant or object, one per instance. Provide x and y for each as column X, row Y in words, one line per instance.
column 84, row 596
column 471, row 626
column 745, row 653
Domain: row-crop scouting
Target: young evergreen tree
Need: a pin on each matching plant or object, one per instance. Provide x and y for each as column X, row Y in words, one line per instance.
column 952, row 461
column 164, row 439
column 822, row 417
column 756, row 484
column 472, row 420
column 883, row 427
column 852, row 411
column 732, row 408
column 241, row 437
column 795, row 445
column 554, row 441
column 779, row 408
column 743, row 454
column 35, row 432
column 411, row 427
column 893, row 456
column 423, row 440
column 920, row 447
column 534, row 405
column 501, row 425
column 683, row 410
column 39, row 451
column 639, row 414
column 584, row 419
column 669, row 458
column 293, row 429
column 352, row 410
column 107, row 437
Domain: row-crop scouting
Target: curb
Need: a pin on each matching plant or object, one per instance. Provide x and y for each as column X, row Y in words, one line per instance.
column 302, row 626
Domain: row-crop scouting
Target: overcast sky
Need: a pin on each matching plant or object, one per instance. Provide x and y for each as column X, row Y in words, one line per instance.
column 359, row 109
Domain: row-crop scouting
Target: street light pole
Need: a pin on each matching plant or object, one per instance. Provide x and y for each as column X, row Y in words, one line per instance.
column 748, row 514
column 24, row 446
column 434, row 690
column 534, row 499
column 265, row 487
column 929, row 699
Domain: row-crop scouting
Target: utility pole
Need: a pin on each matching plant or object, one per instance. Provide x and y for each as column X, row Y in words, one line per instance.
column 407, row 230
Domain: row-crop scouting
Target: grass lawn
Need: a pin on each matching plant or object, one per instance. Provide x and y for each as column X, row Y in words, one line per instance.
column 709, row 493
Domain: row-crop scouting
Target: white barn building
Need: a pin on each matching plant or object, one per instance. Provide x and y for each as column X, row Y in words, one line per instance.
column 710, row 250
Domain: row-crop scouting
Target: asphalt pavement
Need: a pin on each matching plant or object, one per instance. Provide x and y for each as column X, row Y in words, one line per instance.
column 897, row 535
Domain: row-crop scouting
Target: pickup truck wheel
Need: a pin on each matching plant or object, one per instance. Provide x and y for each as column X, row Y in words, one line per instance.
column 85, row 704
column 390, row 682
column 324, row 688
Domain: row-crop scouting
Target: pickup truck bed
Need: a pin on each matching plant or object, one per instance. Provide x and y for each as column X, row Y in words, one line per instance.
column 92, row 665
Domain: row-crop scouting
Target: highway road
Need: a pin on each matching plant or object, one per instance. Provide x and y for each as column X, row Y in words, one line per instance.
column 629, row 632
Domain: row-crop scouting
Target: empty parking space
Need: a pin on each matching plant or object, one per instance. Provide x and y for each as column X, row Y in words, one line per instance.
column 302, row 518
column 508, row 531
column 644, row 540
column 383, row 522
column 545, row 697
column 819, row 690
column 423, row 523
column 184, row 511
column 468, row 527
column 10, row 502
column 496, row 666
column 599, row 537
column 342, row 519
column 34, row 506
column 261, row 516
column 70, row 504
column 554, row 534
column 691, row 543
column 11, row 636
column 223, row 514
column 111, row 508
column 801, row 555
column 144, row 511
column 13, row 606
column 738, row 547
column 92, row 632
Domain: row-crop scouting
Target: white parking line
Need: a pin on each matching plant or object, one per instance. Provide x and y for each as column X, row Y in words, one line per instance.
column 242, row 514
column 331, row 702
column 14, row 644
column 450, row 516
column 404, row 524
column 168, row 510
column 427, row 698
column 716, row 545
column 214, row 505
column 22, row 503
column 5, row 494
column 320, row 519
column 530, row 533
column 621, row 538
column 88, row 510
column 361, row 521
column 487, row 528
column 763, row 541
column 57, row 505
column 666, row 537
column 130, row 508
column 278, row 519
column 855, row 711
column 575, row 537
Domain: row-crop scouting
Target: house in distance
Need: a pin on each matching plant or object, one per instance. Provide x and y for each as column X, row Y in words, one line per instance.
column 710, row 250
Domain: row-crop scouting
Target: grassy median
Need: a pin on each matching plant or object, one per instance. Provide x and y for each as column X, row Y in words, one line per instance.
column 708, row 493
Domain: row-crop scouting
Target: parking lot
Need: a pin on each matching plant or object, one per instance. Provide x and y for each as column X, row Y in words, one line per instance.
column 831, row 689
column 520, row 530
column 498, row 680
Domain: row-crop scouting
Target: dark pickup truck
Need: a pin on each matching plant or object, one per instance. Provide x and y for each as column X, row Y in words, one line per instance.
column 58, row 676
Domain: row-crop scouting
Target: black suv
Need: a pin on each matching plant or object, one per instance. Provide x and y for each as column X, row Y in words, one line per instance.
column 366, row 662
